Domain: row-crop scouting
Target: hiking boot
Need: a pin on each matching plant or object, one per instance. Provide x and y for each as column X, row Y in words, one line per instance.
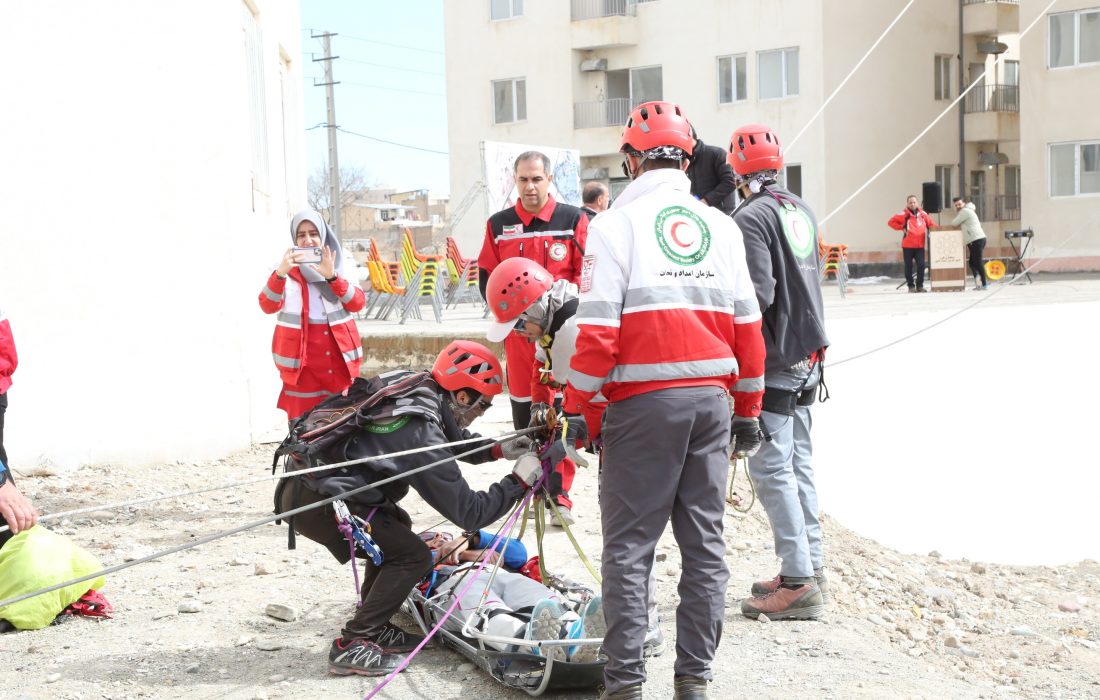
column 912, row 290
column 362, row 657
column 654, row 644
column 394, row 640
column 630, row 692
column 769, row 586
column 566, row 517
column 802, row 603
column 689, row 688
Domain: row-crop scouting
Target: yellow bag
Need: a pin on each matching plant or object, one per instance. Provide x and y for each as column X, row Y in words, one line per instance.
column 36, row 559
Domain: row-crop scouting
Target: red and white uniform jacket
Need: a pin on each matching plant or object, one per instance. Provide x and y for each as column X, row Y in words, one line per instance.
column 290, row 298
column 666, row 300
column 915, row 227
column 554, row 238
column 9, row 360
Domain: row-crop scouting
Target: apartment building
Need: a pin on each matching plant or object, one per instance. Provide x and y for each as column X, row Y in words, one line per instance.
column 567, row 74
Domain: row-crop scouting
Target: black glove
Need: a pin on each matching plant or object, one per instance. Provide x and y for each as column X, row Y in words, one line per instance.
column 745, row 436
column 574, row 429
column 539, row 413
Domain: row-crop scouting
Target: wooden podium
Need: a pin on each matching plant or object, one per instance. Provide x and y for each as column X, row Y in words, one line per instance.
column 947, row 260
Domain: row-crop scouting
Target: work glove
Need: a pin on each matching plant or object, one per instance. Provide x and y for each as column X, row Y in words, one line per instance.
column 539, row 413
column 745, row 436
column 516, row 447
column 527, row 469
column 574, row 429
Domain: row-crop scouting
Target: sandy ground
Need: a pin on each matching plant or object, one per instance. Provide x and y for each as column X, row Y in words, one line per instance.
column 901, row 624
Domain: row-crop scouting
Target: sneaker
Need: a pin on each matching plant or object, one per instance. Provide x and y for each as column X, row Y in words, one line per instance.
column 912, row 290
column 566, row 517
column 802, row 603
column 765, row 587
column 654, row 644
column 630, row 692
column 393, row 639
column 921, row 289
column 362, row 657
column 689, row 688
column 546, row 623
column 591, row 626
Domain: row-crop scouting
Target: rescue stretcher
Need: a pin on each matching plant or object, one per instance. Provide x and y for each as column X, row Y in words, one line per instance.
column 532, row 673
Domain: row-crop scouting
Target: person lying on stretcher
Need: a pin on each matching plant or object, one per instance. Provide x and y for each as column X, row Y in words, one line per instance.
column 515, row 606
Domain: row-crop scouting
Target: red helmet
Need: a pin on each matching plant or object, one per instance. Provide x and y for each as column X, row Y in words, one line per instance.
column 754, row 147
column 513, row 286
column 465, row 364
column 655, row 124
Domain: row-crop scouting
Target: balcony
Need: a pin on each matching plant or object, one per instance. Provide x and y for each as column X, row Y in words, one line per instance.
column 991, row 17
column 590, row 115
column 999, row 207
column 600, row 24
column 992, row 113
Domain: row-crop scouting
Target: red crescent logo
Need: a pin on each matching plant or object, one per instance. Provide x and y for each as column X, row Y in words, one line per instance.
column 675, row 238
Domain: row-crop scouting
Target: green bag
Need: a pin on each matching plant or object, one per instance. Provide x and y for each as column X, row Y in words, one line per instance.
column 36, row 559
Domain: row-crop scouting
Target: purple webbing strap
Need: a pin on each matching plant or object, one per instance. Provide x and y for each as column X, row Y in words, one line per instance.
column 481, row 567
column 345, row 530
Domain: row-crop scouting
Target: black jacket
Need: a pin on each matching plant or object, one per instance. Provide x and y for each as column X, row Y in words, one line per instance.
column 711, row 177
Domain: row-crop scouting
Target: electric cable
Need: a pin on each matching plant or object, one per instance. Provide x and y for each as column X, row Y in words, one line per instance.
column 392, row 143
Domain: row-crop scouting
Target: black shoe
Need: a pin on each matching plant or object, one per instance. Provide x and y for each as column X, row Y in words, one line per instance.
column 393, row 639
column 361, row 657
column 630, row 692
column 689, row 688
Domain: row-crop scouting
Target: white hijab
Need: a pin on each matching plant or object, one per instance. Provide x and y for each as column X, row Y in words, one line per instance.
column 318, row 287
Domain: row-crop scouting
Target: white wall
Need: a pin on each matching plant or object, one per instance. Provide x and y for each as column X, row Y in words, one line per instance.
column 134, row 245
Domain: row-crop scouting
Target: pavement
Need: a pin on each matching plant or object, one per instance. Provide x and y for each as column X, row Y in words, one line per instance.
column 959, row 421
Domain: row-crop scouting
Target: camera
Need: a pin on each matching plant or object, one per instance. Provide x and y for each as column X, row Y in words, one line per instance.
column 311, row 254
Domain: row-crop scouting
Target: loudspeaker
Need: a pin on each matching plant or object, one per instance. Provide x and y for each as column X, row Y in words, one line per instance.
column 932, row 194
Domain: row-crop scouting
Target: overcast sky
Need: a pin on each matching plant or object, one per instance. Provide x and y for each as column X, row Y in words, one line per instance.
column 392, row 87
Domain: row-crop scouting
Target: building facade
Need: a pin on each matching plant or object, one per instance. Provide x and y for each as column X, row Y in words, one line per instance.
column 567, row 75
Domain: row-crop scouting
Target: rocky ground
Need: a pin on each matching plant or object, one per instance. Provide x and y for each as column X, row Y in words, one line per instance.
column 193, row 624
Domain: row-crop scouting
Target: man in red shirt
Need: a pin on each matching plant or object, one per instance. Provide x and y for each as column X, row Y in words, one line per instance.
column 541, row 229
column 914, row 223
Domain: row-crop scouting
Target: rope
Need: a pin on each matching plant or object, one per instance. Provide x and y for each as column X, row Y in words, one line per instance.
column 935, row 121
column 829, row 99
column 730, row 494
column 450, row 610
column 284, row 475
column 576, row 545
column 236, row 530
column 345, row 530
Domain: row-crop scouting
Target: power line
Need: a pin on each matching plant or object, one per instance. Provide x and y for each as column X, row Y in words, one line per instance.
column 384, row 87
column 392, row 143
column 383, row 65
column 396, row 46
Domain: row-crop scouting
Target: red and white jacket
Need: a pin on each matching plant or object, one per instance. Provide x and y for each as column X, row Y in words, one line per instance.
column 9, row 360
column 666, row 300
column 290, row 298
column 914, row 227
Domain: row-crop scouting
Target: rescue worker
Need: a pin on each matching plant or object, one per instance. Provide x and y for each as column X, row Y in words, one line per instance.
column 541, row 229
column 668, row 326
column 436, row 409
column 781, row 244
column 594, row 198
column 522, row 297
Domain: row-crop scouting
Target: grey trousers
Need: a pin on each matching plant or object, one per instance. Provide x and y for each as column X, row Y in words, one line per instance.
column 784, row 477
column 666, row 456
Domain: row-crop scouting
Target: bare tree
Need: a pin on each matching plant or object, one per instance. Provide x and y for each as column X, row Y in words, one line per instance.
column 353, row 181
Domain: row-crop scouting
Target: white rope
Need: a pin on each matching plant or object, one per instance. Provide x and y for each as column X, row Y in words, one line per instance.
column 935, row 121
column 276, row 477
column 825, row 104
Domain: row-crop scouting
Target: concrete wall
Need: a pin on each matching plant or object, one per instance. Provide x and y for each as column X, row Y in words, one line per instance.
column 135, row 242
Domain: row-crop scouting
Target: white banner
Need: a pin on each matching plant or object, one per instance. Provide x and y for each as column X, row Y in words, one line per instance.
column 565, row 166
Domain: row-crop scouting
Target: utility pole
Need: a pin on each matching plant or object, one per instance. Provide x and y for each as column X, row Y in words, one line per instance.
column 330, row 107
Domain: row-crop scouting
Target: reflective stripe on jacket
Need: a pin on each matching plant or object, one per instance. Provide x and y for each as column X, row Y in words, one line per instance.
column 554, row 238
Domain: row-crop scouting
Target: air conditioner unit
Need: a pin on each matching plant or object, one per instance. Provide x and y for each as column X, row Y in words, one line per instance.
column 594, row 174
column 593, row 64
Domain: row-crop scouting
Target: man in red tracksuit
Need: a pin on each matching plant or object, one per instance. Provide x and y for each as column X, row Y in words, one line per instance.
column 914, row 223
column 541, row 229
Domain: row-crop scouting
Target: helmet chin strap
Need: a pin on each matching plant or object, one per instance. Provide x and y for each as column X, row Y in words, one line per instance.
column 461, row 413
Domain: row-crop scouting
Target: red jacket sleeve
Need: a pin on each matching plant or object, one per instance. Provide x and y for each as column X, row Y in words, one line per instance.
column 271, row 296
column 748, row 348
column 9, row 359
column 489, row 257
column 351, row 296
column 580, row 242
column 897, row 221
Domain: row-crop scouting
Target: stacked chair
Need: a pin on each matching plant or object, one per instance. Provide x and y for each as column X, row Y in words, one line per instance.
column 463, row 274
column 384, row 291
column 422, row 273
column 834, row 261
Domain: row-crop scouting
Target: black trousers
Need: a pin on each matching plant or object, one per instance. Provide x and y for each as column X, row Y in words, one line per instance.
column 914, row 257
column 974, row 249
column 406, row 559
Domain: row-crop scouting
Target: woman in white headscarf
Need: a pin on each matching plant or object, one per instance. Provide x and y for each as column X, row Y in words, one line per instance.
column 316, row 346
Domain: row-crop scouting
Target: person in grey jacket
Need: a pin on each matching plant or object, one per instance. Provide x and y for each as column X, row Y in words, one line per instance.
column 966, row 218
column 781, row 245
column 430, row 409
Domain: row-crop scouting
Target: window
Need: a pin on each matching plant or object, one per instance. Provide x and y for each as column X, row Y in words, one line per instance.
column 731, row 79
column 942, row 90
column 777, row 73
column 1074, row 38
column 257, row 98
column 792, row 179
column 1074, row 169
column 943, row 176
column 635, row 85
column 1012, row 73
column 505, row 9
column 509, row 100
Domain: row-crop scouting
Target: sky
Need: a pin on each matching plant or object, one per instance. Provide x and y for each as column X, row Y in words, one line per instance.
column 392, row 87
